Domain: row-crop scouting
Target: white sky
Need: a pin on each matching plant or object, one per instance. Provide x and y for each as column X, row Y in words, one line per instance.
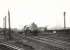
column 42, row 12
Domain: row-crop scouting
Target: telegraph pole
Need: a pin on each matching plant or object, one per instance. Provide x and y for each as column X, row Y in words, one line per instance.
column 9, row 19
column 4, row 23
column 64, row 20
column 9, row 33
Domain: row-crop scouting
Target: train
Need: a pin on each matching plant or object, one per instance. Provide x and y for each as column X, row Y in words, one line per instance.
column 29, row 30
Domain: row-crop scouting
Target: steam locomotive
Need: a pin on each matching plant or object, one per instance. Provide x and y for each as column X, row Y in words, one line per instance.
column 29, row 30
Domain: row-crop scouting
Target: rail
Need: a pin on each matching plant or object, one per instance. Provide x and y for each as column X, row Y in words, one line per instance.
column 55, row 43
column 12, row 46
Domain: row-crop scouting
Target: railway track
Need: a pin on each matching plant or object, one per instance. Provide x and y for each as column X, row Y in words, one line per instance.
column 52, row 41
column 10, row 46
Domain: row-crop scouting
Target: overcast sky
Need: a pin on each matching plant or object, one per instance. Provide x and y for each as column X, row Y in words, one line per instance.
column 42, row 12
